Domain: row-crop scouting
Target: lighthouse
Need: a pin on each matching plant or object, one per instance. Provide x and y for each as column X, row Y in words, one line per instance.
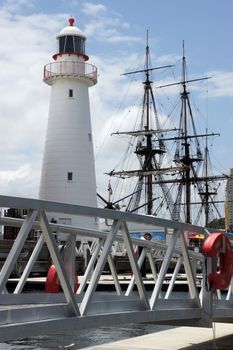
column 68, row 171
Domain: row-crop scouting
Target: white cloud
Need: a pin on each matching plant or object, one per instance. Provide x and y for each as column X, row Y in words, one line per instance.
column 93, row 9
column 220, row 84
column 18, row 5
column 13, row 181
column 13, row 175
column 106, row 26
column 167, row 59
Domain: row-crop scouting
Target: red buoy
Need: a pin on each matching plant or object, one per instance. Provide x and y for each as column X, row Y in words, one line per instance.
column 52, row 284
column 219, row 244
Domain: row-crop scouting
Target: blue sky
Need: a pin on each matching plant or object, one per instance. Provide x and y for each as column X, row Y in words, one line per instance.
column 116, row 32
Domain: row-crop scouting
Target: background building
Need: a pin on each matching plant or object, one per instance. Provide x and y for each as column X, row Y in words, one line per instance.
column 229, row 202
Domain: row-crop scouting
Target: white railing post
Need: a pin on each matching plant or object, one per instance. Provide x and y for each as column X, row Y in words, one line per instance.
column 90, row 266
column 139, row 262
column 164, row 268
column 173, row 279
column 135, row 267
column 99, row 266
column 30, row 263
column 114, row 274
column 189, row 271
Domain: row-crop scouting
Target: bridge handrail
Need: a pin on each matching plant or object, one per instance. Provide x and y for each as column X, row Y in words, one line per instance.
column 48, row 206
column 84, row 232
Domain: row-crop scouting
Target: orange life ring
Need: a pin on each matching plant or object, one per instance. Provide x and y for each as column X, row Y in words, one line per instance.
column 52, row 284
column 219, row 244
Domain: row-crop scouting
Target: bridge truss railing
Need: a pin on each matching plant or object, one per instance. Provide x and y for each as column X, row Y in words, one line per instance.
column 24, row 314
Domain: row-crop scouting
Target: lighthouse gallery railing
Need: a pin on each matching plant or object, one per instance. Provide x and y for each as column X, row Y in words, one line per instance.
column 70, row 69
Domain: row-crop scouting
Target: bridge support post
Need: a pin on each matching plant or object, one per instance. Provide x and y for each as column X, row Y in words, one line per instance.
column 69, row 258
column 207, row 296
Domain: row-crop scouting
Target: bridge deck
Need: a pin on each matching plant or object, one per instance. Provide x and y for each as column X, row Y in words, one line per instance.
column 106, row 309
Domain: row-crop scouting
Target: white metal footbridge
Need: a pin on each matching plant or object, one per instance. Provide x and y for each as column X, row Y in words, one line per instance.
column 27, row 314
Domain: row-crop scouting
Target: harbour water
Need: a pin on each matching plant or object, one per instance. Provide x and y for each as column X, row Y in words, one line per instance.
column 89, row 338
column 83, row 338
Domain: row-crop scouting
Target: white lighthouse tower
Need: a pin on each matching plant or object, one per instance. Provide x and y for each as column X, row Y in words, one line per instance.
column 68, row 171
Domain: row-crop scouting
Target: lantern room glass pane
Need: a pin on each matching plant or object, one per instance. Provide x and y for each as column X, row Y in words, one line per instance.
column 61, row 44
column 79, row 45
column 69, row 47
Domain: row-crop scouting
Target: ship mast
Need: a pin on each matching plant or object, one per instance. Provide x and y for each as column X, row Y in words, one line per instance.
column 186, row 159
column 208, row 192
column 191, row 158
column 150, row 146
column 183, row 154
column 147, row 152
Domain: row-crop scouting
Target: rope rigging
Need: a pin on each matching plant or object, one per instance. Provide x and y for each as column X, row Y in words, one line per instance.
column 156, row 184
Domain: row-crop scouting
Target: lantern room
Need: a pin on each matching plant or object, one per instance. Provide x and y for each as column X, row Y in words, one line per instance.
column 71, row 41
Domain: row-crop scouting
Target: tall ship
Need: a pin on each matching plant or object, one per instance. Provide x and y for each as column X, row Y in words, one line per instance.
column 166, row 170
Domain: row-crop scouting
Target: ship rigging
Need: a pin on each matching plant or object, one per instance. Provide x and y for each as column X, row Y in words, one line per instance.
column 166, row 181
